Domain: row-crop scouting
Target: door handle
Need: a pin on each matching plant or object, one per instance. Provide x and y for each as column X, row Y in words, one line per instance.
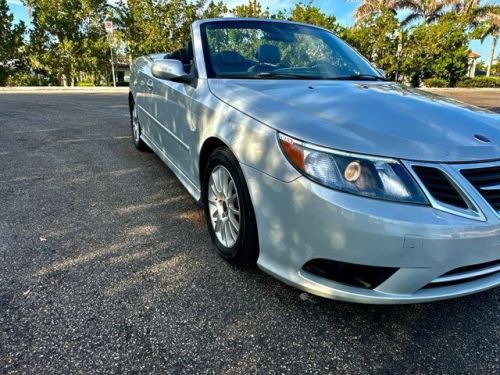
column 150, row 83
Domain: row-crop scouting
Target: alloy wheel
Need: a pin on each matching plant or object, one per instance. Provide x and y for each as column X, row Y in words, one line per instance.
column 224, row 206
column 135, row 126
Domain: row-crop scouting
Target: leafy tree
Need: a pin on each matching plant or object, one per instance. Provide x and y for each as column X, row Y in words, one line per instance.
column 252, row 9
column 11, row 43
column 68, row 40
column 149, row 26
column 437, row 51
column 379, row 38
column 308, row 13
column 215, row 10
column 481, row 66
column 68, row 37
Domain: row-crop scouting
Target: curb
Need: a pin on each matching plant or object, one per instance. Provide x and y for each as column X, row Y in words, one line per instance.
column 464, row 89
column 55, row 89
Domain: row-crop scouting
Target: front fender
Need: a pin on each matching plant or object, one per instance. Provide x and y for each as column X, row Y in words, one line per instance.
column 253, row 143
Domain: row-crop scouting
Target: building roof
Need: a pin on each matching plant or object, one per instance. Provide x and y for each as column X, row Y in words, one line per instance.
column 473, row 55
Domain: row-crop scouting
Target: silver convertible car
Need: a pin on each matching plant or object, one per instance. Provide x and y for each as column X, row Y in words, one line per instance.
column 311, row 164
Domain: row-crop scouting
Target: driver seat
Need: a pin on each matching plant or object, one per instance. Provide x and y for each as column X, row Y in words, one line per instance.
column 269, row 58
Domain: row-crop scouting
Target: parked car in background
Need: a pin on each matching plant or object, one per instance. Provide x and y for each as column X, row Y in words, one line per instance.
column 309, row 163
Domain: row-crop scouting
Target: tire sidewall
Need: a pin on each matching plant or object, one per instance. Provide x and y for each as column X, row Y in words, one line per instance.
column 239, row 250
column 139, row 144
column 132, row 110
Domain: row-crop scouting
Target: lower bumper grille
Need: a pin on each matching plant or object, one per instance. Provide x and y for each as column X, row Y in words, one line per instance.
column 466, row 274
column 356, row 275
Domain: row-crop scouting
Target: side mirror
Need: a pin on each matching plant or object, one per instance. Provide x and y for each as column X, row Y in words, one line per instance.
column 170, row 69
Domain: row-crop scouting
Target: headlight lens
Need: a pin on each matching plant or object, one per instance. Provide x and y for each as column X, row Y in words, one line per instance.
column 364, row 175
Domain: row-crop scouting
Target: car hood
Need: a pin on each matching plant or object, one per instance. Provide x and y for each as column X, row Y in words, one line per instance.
column 377, row 118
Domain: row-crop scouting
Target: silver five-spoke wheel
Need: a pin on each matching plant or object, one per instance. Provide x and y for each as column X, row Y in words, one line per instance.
column 135, row 126
column 224, row 206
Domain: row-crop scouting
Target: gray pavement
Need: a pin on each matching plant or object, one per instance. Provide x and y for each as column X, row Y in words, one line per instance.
column 488, row 98
column 106, row 267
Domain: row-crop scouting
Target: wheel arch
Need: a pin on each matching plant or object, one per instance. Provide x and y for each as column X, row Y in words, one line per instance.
column 209, row 146
column 131, row 100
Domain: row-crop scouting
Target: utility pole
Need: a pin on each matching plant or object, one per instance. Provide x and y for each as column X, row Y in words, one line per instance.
column 112, row 64
column 108, row 26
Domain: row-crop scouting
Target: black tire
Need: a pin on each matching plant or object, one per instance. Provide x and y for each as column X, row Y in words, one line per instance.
column 246, row 248
column 138, row 142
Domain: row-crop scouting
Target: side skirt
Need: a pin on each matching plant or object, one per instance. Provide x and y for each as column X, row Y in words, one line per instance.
column 185, row 180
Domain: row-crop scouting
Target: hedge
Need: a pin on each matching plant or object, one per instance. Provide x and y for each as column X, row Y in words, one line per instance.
column 22, row 78
column 435, row 82
column 85, row 84
column 480, row 82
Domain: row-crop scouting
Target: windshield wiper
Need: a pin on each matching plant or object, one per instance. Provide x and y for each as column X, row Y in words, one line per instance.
column 234, row 75
column 286, row 75
column 360, row 77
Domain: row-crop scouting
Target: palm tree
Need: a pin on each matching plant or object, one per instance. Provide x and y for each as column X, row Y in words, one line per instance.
column 493, row 28
column 370, row 7
column 485, row 18
column 465, row 6
column 427, row 10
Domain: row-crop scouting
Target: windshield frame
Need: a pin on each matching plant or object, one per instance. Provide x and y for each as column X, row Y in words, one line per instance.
column 243, row 23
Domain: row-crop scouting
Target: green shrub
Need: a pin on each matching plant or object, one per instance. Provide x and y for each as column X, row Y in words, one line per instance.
column 23, row 78
column 85, row 84
column 4, row 74
column 480, row 82
column 435, row 82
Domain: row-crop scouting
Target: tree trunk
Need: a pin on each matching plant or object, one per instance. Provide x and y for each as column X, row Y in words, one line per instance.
column 492, row 53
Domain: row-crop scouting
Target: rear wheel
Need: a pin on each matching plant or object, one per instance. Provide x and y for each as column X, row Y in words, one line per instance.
column 228, row 209
column 136, row 129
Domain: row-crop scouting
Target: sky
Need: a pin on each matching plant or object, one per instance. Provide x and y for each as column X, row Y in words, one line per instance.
column 343, row 11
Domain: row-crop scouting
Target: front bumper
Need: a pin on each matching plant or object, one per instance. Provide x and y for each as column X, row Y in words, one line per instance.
column 301, row 220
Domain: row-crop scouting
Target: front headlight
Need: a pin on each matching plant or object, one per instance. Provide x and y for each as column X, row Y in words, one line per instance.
column 369, row 176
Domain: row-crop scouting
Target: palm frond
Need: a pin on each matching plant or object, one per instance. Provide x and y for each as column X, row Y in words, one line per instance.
column 410, row 5
column 410, row 19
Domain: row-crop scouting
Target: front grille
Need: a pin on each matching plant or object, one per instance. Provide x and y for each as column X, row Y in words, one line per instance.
column 439, row 186
column 487, row 182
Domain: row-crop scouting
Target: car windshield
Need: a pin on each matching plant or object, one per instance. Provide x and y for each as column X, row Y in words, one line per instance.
column 279, row 50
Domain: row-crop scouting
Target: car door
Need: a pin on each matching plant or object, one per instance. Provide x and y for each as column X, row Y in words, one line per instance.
column 142, row 83
column 171, row 108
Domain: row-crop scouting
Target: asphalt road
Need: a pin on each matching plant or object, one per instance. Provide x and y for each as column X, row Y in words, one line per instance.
column 106, row 267
column 486, row 98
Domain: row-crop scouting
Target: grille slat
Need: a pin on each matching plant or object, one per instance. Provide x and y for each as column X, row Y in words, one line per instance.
column 466, row 274
column 439, row 186
column 483, row 178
